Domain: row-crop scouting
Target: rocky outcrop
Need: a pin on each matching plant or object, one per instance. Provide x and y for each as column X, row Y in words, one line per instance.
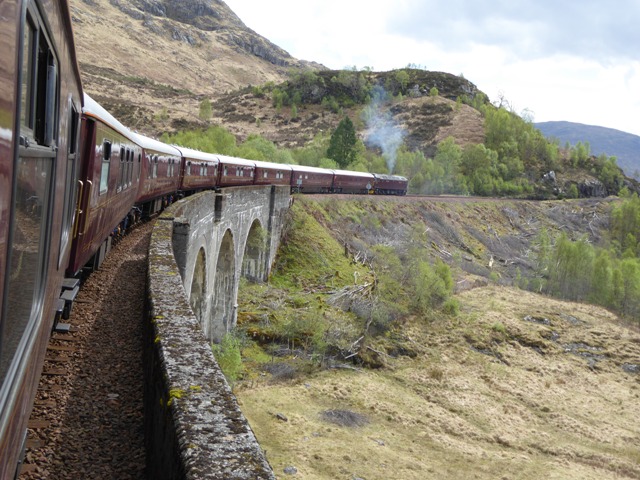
column 592, row 188
column 253, row 43
column 186, row 21
column 203, row 14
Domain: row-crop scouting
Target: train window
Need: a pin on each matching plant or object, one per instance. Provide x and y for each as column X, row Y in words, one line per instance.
column 30, row 40
column 106, row 165
column 206, row 169
column 155, row 166
column 46, row 96
column 188, row 168
column 265, row 174
column 28, row 256
column 130, row 167
column 106, row 150
column 139, row 166
column 123, row 167
column 127, row 175
column 225, row 171
column 39, row 87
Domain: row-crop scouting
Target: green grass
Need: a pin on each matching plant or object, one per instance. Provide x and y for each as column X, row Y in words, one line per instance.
column 309, row 256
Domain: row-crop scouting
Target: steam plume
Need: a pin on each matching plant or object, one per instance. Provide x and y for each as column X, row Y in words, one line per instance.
column 382, row 130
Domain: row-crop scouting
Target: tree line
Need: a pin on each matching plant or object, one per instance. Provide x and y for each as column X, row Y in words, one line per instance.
column 511, row 161
column 607, row 276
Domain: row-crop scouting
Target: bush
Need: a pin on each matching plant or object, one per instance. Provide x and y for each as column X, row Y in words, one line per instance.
column 451, row 307
column 227, row 354
column 432, row 285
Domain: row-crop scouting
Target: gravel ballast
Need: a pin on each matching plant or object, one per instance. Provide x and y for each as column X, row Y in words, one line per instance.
column 87, row 422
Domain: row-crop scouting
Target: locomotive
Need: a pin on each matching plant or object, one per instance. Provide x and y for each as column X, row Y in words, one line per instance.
column 71, row 175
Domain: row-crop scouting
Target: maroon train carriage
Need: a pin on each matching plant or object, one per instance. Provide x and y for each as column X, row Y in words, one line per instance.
column 110, row 179
column 235, row 171
column 40, row 106
column 268, row 173
column 390, row 184
column 311, row 179
column 200, row 170
column 345, row 181
column 160, row 175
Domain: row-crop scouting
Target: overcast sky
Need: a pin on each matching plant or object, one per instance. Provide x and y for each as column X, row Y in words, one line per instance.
column 560, row 59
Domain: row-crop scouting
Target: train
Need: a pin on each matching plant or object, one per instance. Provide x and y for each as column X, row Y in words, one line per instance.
column 71, row 178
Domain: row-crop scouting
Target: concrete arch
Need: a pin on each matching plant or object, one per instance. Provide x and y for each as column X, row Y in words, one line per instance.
column 224, row 289
column 198, row 293
column 254, row 259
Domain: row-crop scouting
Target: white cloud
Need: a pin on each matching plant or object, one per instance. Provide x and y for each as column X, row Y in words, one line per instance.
column 529, row 28
column 569, row 60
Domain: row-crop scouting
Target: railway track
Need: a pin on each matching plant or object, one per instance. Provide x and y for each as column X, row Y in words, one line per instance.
column 410, row 198
column 87, row 421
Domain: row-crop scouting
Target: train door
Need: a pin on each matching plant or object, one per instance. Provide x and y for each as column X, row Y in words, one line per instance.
column 85, row 192
column 70, row 208
column 34, row 165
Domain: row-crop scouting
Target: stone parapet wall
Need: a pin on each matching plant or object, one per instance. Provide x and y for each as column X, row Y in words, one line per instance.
column 194, row 426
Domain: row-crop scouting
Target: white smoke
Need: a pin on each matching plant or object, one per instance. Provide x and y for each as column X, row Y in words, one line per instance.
column 382, row 129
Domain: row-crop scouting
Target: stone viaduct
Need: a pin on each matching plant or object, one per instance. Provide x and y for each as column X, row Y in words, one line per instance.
column 219, row 238
column 200, row 248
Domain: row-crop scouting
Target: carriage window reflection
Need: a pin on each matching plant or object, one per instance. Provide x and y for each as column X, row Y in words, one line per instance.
column 28, row 255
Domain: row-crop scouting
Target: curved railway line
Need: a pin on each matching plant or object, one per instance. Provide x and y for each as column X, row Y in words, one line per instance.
column 87, row 422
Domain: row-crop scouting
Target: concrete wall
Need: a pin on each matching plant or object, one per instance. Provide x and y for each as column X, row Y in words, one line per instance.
column 194, row 426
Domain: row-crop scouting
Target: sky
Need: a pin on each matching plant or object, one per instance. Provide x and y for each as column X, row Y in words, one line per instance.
column 570, row 60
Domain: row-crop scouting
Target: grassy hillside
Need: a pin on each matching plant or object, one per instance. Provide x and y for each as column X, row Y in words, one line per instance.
column 392, row 343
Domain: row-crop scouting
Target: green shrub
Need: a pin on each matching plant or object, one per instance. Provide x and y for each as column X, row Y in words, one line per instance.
column 227, row 354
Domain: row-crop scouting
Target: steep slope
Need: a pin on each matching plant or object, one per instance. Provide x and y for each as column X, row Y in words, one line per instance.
column 515, row 385
column 624, row 146
column 149, row 59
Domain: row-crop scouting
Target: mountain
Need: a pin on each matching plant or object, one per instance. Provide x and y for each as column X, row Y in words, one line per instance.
column 624, row 146
column 149, row 59
column 153, row 63
column 424, row 120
